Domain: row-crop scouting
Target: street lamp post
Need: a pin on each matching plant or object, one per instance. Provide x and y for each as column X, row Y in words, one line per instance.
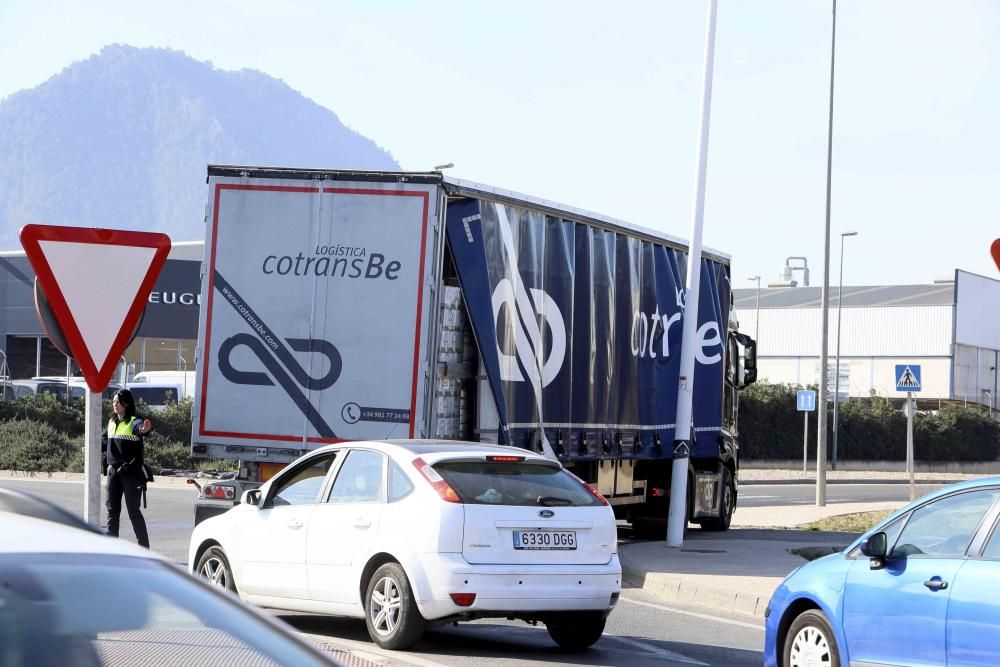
column 756, row 332
column 825, row 298
column 836, row 391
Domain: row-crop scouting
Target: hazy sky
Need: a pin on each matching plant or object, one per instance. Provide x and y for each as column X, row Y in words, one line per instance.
column 596, row 105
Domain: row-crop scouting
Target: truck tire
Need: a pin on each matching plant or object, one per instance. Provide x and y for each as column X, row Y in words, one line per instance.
column 727, row 504
column 391, row 613
column 214, row 566
column 577, row 632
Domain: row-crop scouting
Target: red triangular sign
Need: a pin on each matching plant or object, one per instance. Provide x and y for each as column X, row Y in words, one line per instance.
column 97, row 282
column 995, row 251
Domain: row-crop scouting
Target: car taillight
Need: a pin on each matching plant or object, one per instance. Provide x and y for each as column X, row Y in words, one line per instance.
column 463, row 599
column 593, row 491
column 437, row 481
column 505, row 459
column 218, row 492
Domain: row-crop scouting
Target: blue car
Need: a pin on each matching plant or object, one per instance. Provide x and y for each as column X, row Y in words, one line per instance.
column 921, row 588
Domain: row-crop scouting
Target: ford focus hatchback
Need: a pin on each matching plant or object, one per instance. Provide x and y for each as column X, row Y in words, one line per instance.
column 409, row 534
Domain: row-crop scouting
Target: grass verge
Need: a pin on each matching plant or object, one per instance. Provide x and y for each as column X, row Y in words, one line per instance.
column 849, row 523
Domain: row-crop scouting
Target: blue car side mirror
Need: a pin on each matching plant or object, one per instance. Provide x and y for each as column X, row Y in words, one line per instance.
column 875, row 547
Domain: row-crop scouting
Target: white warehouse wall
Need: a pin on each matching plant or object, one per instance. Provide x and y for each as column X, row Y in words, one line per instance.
column 869, row 331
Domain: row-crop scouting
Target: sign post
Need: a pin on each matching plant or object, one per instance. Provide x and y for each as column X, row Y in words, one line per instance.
column 805, row 401
column 96, row 282
column 908, row 380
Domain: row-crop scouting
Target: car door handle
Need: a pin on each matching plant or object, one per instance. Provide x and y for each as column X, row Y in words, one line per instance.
column 294, row 524
column 362, row 523
column 936, row 584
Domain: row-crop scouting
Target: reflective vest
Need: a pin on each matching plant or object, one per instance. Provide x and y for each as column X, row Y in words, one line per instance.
column 124, row 446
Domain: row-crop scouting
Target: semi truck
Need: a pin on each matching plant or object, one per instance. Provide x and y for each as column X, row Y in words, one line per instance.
column 356, row 305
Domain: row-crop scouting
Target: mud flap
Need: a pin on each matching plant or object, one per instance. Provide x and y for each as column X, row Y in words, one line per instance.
column 706, row 495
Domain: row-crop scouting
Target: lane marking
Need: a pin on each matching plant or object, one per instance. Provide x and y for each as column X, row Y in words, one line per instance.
column 657, row 651
column 685, row 612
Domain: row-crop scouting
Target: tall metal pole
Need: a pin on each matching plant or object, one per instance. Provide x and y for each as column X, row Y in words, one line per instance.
column 677, row 514
column 910, row 409
column 836, row 393
column 824, row 331
column 756, row 332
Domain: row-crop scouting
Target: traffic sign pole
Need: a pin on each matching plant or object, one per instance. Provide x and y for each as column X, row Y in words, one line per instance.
column 805, row 445
column 92, row 458
column 909, row 443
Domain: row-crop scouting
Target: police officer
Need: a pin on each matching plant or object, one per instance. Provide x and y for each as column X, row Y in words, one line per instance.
column 125, row 459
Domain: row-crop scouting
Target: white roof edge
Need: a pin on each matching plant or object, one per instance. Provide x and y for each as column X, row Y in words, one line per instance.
column 471, row 187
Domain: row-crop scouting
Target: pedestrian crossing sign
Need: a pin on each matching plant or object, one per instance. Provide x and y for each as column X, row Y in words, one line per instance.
column 907, row 377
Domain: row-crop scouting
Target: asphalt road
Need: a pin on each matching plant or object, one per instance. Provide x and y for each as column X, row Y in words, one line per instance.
column 776, row 495
column 642, row 631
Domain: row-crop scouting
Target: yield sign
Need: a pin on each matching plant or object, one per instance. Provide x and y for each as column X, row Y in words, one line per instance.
column 97, row 282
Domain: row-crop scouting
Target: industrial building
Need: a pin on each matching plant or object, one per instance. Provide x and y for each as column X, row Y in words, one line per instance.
column 950, row 328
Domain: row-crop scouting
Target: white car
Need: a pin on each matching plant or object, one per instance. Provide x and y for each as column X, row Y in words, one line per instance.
column 411, row 533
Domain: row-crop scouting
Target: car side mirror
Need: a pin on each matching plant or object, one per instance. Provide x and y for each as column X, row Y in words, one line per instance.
column 875, row 548
column 250, row 497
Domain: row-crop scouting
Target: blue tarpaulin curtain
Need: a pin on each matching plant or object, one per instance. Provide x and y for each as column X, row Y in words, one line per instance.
column 579, row 329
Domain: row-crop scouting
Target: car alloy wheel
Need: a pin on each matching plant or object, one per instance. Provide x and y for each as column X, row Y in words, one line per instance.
column 385, row 606
column 214, row 567
column 810, row 648
column 215, row 571
column 391, row 614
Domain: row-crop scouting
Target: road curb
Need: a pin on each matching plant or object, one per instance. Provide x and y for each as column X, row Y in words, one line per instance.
column 674, row 587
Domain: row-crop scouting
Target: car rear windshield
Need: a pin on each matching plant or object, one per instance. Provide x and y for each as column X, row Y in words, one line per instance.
column 510, row 483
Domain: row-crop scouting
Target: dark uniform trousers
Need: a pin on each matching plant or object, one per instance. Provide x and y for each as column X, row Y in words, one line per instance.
column 129, row 484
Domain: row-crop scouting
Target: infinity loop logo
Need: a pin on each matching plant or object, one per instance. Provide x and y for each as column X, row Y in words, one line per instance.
column 281, row 366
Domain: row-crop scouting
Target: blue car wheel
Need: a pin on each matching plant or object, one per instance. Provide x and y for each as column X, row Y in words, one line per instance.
column 810, row 642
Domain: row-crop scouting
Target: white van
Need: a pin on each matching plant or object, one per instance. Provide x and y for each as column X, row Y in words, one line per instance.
column 185, row 380
column 156, row 394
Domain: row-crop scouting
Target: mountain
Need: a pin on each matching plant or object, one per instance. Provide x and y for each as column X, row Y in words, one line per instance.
column 121, row 140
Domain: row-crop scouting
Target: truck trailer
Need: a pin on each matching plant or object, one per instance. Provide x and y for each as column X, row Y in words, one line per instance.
column 356, row 305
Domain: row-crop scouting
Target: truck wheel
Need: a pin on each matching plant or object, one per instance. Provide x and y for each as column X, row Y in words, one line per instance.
column 810, row 641
column 391, row 613
column 214, row 566
column 727, row 504
column 577, row 632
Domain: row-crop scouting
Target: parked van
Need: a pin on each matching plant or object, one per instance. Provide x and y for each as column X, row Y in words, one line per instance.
column 156, row 395
column 185, row 380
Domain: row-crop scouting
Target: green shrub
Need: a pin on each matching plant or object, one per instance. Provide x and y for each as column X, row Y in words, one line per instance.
column 172, row 422
column 47, row 409
column 31, row 446
column 870, row 429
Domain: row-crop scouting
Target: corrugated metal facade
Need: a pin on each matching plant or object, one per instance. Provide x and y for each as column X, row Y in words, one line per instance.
column 871, row 331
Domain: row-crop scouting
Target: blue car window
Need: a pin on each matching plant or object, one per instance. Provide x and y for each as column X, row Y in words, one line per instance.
column 992, row 549
column 944, row 527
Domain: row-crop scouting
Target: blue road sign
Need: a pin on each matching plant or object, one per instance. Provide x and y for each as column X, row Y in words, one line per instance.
column 907, row 377
column 805, row 400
